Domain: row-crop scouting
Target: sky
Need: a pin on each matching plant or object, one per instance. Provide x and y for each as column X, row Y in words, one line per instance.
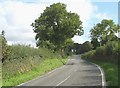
column 16, row 17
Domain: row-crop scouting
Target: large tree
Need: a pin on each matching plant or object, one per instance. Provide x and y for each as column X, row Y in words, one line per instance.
column 56, row 25
column 104, row 31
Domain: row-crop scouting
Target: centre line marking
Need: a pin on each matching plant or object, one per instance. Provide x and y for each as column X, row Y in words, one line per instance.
column 63, row 81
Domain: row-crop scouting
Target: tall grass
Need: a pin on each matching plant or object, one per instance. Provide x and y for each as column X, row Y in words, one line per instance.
column 45, row 66
column 25, row 62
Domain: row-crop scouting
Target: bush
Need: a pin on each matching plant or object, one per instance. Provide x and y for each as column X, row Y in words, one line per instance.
column 88, row 55
column 100, row 51
column 109, row 52
column 23, row 58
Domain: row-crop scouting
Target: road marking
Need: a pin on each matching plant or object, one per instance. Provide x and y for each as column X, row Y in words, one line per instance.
column 102, row 74
column 63, row 80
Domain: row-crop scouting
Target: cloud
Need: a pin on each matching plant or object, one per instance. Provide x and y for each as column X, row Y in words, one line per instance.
column 84, row 8
column 16, row 18
column 101, row 16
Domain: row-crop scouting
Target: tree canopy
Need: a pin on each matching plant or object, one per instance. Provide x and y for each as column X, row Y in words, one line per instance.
column 55, row 25
column 82, row 48
column 95, row 43
column 104, row 31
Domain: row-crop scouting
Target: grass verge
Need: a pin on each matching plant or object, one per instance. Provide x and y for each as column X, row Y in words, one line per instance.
column 46, row 66
column 111, row 71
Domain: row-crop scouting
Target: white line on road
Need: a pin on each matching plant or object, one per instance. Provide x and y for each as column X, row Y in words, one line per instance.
column 102, row 74
column 63, row 80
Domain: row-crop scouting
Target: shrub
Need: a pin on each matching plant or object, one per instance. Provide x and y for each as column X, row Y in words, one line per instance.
column 88, row 55
column 23, row 58
column 100, row 51
column 109, row 52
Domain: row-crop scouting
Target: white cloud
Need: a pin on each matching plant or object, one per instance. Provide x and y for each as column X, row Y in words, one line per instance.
column 16, row 18
column 84, row 8
column 101, row 16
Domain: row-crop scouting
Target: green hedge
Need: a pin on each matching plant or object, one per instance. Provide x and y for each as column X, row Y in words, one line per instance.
column 109, row 52
column 22, row 59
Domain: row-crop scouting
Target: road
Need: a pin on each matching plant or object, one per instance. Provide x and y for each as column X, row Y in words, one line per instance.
column 76, row 72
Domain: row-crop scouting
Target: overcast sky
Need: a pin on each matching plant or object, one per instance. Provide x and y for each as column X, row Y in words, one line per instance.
column 16, row 16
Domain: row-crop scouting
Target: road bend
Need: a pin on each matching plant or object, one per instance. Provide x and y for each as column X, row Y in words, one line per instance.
column 76, row 72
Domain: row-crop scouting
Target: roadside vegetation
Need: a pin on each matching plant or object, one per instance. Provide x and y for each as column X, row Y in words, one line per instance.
column 106, row 50
column 107, row 59
column 24, row 63
column 54, row 29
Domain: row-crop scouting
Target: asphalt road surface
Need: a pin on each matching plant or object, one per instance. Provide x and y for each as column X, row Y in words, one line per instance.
column 76, row 72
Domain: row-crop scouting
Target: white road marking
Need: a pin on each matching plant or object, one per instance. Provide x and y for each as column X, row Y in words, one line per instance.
column 63, row 80
column 102, row 74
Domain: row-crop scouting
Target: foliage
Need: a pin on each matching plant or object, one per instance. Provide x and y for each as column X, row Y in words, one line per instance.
column 87, row 46
column 24, row 51
column 25, row 59
column 55, row 25
column 67, row 47
column 82, row 48
column 109, row 52
column 107, row 57
column 95, row 43
column 15, row 74
column 105, row 31
column 4, row 47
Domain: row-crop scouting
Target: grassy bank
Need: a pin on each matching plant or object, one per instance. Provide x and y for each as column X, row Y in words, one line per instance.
column 23, row 63
column 46, row 66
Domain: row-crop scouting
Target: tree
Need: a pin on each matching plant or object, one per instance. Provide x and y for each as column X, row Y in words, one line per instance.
column 68, row 46
column 82, row 48
column 104, row 31
column 3, row 43
column 95, row 43
column 87, row 46
column 56, row 25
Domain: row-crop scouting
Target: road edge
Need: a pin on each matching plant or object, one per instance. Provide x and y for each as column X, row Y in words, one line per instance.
column 43, row 74
column 104, row 84
column 102, row 74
